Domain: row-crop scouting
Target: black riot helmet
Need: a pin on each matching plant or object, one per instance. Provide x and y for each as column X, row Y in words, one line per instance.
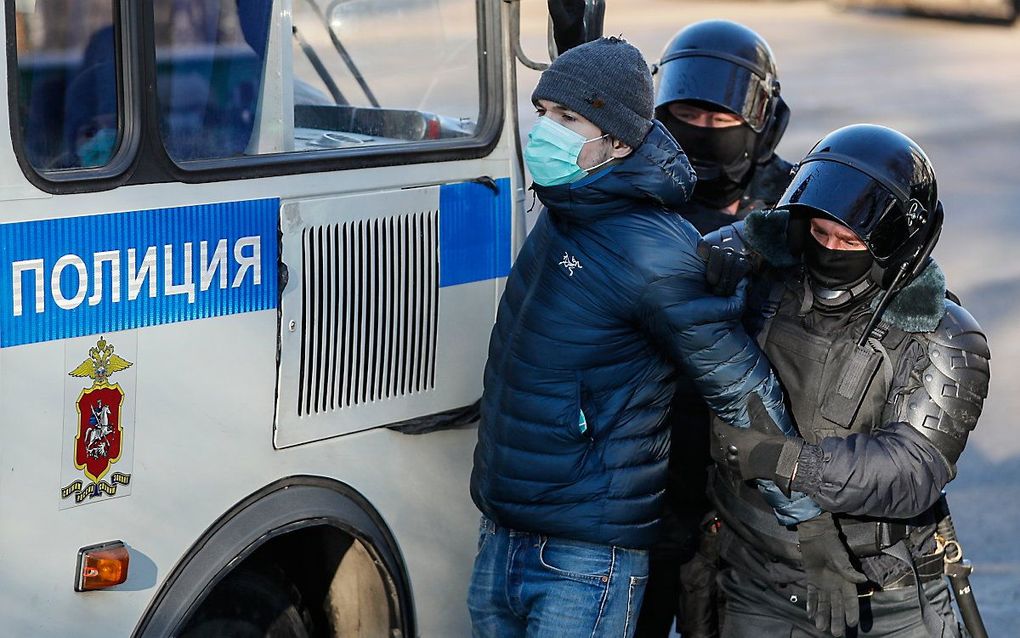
column 729, row 67
column 878, row 183
column 718, row 65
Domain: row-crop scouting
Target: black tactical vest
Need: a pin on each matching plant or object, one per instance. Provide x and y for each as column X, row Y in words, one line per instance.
column 834, row 388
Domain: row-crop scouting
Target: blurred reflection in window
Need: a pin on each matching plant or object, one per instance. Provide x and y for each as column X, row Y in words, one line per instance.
column 67, row 72
column 210, row 56
column 347, row 74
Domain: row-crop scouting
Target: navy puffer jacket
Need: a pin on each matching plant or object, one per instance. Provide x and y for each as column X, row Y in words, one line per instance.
column 607, row 300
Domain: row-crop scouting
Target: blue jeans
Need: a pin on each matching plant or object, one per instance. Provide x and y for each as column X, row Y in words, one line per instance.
column 528, row 585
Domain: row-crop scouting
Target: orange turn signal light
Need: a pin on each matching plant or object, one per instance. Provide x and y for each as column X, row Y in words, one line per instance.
column 101, row 566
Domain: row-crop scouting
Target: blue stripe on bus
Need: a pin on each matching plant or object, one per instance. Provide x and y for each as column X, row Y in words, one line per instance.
column 232, row 268
column 474, row 232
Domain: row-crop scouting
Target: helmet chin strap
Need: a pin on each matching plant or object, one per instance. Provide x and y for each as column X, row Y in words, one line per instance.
column 883, row 303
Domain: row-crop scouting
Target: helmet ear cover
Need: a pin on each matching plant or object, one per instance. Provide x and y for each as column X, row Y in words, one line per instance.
column 776, row 123
column 916, row 253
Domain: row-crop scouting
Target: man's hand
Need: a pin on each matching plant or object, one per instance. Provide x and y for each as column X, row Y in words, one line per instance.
column 832, row 581
column 760, row 451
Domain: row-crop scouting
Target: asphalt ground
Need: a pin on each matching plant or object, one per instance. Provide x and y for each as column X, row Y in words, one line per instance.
column 954, row 88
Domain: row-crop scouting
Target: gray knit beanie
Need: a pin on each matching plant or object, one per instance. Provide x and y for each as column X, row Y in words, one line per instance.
column 607, row 81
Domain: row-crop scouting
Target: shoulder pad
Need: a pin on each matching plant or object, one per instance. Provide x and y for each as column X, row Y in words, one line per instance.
column 959, row 330
column 954, row 384
column 957, row 377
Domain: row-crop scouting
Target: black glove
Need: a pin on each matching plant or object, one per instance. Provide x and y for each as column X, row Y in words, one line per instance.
column 760, row 451
column 832, row 581
column 724, row 268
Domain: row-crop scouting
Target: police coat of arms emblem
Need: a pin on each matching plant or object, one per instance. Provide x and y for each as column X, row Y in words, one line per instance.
column 100, row 433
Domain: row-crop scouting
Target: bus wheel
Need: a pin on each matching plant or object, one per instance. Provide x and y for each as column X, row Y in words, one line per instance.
column 251, row 603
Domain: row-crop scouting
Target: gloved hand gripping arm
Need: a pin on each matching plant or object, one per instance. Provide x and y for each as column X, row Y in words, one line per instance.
column 703, row 334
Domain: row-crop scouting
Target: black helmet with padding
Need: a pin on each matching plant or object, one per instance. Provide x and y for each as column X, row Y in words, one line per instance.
column 878, row 183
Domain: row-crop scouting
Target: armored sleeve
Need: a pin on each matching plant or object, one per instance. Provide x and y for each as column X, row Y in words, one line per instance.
column 946, row 404
column 899, row 469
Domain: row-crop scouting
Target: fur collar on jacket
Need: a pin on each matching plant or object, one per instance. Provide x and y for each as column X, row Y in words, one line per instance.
column 918, row 307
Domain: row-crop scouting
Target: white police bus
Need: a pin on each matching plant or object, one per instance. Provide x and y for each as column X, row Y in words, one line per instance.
column 250, row 255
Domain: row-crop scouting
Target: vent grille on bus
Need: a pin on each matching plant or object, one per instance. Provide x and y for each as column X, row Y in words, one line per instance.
column 370, row 311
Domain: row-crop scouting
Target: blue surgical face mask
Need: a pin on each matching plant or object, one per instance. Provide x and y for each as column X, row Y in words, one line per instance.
column 552, row 152
column 98, row 149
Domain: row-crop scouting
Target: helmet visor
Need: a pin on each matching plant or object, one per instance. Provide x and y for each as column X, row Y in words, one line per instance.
column 719, row 82
column 854, row 199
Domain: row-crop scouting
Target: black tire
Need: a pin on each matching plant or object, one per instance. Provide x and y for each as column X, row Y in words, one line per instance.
column 251, row 603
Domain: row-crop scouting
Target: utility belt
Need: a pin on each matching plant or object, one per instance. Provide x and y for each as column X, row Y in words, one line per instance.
column 930, row 567
column 757, row 524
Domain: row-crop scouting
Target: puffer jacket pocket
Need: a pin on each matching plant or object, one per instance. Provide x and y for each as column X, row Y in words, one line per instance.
column 585, row 425
column 589, row 409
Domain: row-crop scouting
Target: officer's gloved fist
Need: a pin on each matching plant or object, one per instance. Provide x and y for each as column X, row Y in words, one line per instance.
column 832, row 581
column 724, row 269
column 728, row 258
column 760, row 451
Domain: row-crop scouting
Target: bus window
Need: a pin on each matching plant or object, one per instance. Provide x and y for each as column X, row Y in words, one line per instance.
column 67, row 74
column 209, row 64
column 354, row 87
column 349, row 87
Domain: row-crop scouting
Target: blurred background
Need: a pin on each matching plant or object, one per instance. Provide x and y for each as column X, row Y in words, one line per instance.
column 954, row 87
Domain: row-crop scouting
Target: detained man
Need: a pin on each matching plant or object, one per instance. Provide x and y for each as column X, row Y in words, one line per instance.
column 605, row 303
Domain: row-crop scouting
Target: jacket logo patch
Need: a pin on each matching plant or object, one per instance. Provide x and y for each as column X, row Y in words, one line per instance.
column 570, row 263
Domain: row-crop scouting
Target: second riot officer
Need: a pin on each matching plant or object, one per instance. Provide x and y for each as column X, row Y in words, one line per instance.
column 718, row 94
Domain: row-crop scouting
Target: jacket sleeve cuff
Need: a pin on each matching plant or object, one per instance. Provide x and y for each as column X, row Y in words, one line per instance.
column 807, row 476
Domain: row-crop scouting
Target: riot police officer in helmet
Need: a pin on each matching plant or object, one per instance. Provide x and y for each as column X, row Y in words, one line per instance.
column 719, row 97
column 886, row 375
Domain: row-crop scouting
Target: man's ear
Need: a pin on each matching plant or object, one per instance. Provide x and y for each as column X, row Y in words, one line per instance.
column 620, row 149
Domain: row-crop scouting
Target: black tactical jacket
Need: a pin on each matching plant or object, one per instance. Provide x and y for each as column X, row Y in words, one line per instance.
column 884, row 424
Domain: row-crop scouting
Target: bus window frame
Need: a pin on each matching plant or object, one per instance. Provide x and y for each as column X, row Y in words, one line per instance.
column 143, row 159
column 129, row 112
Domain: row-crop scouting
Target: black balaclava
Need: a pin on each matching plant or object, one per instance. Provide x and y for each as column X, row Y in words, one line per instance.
column 720, row 156
column 838, row 278
column 836, row 268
